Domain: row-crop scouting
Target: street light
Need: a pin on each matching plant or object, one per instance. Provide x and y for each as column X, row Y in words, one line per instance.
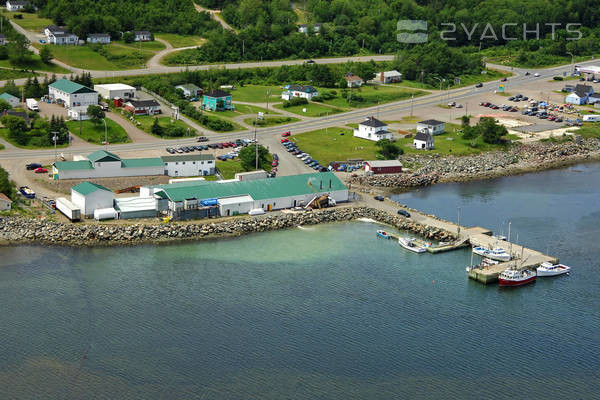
column 441, row 80
column 105, row 132
column 572, row 69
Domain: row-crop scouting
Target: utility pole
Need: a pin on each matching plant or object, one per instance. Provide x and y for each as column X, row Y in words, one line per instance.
column 256, row 145
column 105, row 132
column 412, row 97
column 268, row 95
column 55, row 138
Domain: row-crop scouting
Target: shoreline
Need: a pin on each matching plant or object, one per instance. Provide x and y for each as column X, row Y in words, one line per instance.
column 524, row 159
column 22, row 230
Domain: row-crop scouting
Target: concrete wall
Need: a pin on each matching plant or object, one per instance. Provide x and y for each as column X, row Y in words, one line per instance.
column 112, row 93
column 300, row 200
column 190, row 168
column 92, row 201
column 110, row 170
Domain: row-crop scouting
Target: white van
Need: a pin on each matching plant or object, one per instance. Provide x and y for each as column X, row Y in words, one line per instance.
column 591, row 118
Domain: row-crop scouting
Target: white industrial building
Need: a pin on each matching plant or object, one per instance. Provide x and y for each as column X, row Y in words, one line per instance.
column 432, row 126
column 189, row 165
column 111, row 90
column 372, row 129
column 136, row 207
column 91, row 196
column 103, row 164
column 75, row 97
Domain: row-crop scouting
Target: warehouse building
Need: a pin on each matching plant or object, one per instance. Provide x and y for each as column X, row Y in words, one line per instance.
column 189, row 165
column 91, row 196
column 112, row 90
column 75, row 97
column 136, row 207
column 197, row 199
column 383, row 167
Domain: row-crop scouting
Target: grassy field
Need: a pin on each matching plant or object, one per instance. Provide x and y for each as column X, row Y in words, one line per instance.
column 465, row 80
column 36, row 64
column 4, row 135
column 181, row 40
column 256, row 93
column 6, row 74
column 31, row 22
column 271, row 121
column 589, row 130
column 312, row 109
column 213, row 116
column 244, row 109
column 147, row 121
column 95, row 133
column 229, row 168
column 370, row 95
column 325, row 145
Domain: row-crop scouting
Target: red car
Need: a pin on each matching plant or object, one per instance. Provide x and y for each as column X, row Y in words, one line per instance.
column 40, row 170
column 274, row 163
column 285, row 134
column 284, row 140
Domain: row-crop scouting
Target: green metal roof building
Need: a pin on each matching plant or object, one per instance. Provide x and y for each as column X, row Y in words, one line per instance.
column 86, row 188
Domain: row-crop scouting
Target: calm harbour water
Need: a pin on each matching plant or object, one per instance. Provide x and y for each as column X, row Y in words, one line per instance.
column 325, row 312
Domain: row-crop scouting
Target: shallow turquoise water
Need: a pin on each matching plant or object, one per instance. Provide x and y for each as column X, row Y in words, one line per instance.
column 326, row 312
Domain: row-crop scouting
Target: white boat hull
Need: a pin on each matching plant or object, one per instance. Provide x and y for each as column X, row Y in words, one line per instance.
column 553, row 272
column 488, row 254
column 409, row 245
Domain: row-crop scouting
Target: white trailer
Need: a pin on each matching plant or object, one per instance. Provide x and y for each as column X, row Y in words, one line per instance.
column 591, row 118
column 105, row 213
column 69, row 209
column 32, row 104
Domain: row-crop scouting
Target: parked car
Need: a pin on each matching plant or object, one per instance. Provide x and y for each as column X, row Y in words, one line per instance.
column 274, row 163
column 404, row 213
column 285, row 140
column 379, row 198
column 503, row 79
column 536, row 74
column 479, row 85
column 285, row 134
column 527, row 73
column 170, row 150
column 451, row 104
column 33, row 166
column 202, row 139
column 511, row 98
column 40, row 170
column 275, row 157
column 459, row 106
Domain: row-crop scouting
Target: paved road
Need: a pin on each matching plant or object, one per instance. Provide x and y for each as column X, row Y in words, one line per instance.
column 215, row 15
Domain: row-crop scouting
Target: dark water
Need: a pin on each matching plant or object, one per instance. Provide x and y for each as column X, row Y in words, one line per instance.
column 327, row 312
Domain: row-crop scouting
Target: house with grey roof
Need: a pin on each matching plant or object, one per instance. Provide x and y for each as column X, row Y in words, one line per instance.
column 372, row 129
column 10, row 99
column 579, row 95
column 423, row 141
column 101, row 38
column 431, row 126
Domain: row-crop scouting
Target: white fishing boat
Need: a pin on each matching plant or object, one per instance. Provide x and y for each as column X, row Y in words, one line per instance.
column 409, row 244
column 549, row 269
column 498, row 253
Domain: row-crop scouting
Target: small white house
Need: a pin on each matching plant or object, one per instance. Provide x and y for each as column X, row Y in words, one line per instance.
column 90, row 196
column 102, row 38
column 58, row 35
column 16, row 5
column 580, row 95
column 189, row 165
column 305, row 92
column 142, row 36
column 431, row 126
column 423, row 141
column 10, row 99
column 5, row 202
column 372, row 129
column 392, row 76
column 190, row 90
column 353, row 80
column 111, row 90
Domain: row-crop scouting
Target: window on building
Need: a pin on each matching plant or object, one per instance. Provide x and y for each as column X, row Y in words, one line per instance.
column 183, row 163
column 176, row 162
column 194, row 162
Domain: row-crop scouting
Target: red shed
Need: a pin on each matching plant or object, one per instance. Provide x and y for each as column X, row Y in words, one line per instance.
column 118, row 102
column 383, row 167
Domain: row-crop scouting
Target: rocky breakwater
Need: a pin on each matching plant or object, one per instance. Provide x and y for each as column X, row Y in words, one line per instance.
column 19, row 230
column 521, row 158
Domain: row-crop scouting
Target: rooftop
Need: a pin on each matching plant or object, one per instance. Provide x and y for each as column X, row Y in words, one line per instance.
column 189, row 86
column 373, row 122
column 7, row 96
column 86, row 188
column 259, row 189
column 73, row 165
column 144, row 103
column 423, row 136
column 384, row 163
column 431, row 122
column 68, row 86
column 115, row 86
column 218, row 93
column 189, row 157
column 4, row 197
column 103, row 155
column 141, row 162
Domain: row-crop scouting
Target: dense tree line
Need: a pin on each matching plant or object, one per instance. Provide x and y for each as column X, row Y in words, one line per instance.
column 7, row 186
column 39, row 134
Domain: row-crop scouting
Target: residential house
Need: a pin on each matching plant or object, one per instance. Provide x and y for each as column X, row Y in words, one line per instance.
column 431, row 126
column 594, row 98
column 353, row 80
column 2, row 40
column 217, row 100
column 423, row 141
column 5, row 202
column 189, row 165
column 20, row 114
column 580, row 95
column 57, row 35
column 190, row 90
column 16, row 5
column 142, row 36
column 305, row 92
column 75, row 97
column 143, row 107
column 102, row 38
column 113, row 90
column 317, row 27
column 90, row 196
column 372, row 129
column 383, row 167
column 388, row 76
column 103, row 164
column 303, row 28
column 10, row 99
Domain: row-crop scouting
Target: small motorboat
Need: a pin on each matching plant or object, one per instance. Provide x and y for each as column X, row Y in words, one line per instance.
column 409, row 244
column 383, row 234
column 515, row 277
column 498, row 253
column 549, row 269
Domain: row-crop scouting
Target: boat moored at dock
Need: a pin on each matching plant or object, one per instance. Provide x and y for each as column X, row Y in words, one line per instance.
column 516, row 277
column 498, row 253
column 409, row 244
column 383, row 234
column 549, row 269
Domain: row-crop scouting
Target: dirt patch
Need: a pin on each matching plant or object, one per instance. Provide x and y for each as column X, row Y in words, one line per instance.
column 64, row 186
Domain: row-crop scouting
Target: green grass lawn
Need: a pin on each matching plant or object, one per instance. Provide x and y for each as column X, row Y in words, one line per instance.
column 1, row 146
column 6, row 74
column 229, row 168
column 370, row 95
column 111, row 57
column 214, row 116
column 271, row 121
column 95, row 133
column 154, row 46
column 325, row 145
column 256, row 93
column 465, row 80
column 36, row 64
column 31, row 22
column 312, row 109
column 242, row 109
column 148, row 120
column 588, row 130
column 180, row 40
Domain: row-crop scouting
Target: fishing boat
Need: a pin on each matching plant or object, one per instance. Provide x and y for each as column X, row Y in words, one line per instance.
column 549, row 269
column 515, row 277
column 383, row 234
column 498, row 253
column 409, row 244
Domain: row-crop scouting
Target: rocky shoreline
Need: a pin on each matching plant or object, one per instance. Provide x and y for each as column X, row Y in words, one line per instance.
column 21, row 230
column 529, row 157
